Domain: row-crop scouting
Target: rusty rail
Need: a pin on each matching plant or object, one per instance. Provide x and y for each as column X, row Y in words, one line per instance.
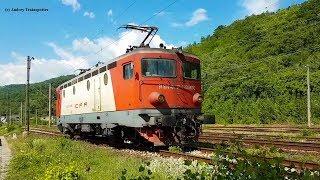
column 51, row 133
column 257, row 136
column 284, row 145
column 262, row 129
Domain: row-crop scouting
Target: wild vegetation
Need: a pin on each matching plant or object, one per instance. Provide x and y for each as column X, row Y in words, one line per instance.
column 232, row 162
column 39, row 157
column 11, row 96
column 254, row 70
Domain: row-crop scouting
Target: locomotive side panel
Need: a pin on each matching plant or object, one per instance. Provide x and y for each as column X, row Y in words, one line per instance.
column 76, row 99
column 107, row 94
column 94, row 94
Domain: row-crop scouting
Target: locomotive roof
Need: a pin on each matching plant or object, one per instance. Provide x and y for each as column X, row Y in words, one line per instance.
column 154, row 50
column 134, row 51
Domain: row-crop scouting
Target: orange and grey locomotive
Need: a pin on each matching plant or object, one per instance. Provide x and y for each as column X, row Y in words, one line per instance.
column 149, row 95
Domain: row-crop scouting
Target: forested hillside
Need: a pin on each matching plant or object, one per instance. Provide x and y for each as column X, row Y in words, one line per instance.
column 254, row 70
column 11, row 96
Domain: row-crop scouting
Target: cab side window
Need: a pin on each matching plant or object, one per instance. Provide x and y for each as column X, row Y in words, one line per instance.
column 128, row 71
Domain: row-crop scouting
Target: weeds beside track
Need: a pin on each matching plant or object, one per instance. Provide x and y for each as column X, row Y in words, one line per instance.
column 164, row 153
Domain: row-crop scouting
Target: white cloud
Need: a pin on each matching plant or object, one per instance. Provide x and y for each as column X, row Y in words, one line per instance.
column 41, row 68
column 260, row 6
column 110, row 13
column 112, row 48
column 198, row 16
column 89, row 14
column 74, row 3
column 110, row 16
column 80, row 54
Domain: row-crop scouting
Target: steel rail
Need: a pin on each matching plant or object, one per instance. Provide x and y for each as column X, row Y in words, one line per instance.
column 263, row 129
column 285, row 145
column 258, row 136
column 51, row 133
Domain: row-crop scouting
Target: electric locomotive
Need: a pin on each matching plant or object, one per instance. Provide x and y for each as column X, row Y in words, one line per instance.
column 147, row 95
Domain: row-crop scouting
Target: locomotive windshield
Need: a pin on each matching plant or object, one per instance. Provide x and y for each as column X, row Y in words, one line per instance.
column 158, row 67
column 191, row 70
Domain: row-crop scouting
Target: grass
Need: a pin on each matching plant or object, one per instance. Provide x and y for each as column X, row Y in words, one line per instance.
column 275, row 152
column 175, row 149
column 42, row 157
column 9, row 129
column 38, row 157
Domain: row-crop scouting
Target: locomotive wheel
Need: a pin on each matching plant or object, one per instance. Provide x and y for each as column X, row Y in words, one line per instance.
column 117, row 138
column 65, row 131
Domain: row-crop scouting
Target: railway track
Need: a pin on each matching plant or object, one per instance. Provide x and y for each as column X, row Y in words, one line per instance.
column 258, row 136
column 248, row 141
column 287, row 129
column 285, row 145
column 50, row 133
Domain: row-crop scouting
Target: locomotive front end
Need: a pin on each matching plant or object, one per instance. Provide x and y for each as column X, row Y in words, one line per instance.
column 170, row 92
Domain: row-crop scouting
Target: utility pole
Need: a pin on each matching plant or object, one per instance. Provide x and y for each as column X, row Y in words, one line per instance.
column 25, row 110
column 308, row 96
column 27, row 91
column 49, row 105
column 21, row 114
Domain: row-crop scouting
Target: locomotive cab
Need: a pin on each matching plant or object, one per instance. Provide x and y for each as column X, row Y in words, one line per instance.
column 165, row 89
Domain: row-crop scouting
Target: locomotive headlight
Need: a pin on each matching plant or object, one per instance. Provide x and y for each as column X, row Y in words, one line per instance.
column 197, row 98
column 156, row 98
column 161, row 99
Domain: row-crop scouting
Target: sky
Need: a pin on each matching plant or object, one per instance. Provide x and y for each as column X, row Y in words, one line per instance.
column 66, row 35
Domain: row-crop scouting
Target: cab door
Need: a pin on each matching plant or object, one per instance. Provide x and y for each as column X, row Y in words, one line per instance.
column 129, row 83
column 97, row 93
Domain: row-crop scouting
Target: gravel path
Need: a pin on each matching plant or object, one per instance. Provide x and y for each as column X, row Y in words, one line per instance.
column 5, row 155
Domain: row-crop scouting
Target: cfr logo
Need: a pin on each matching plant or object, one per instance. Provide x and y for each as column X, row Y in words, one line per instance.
column 80, row 105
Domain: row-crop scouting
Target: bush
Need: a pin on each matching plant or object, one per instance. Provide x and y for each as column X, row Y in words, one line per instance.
column 60, row 173
column 233, row 162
